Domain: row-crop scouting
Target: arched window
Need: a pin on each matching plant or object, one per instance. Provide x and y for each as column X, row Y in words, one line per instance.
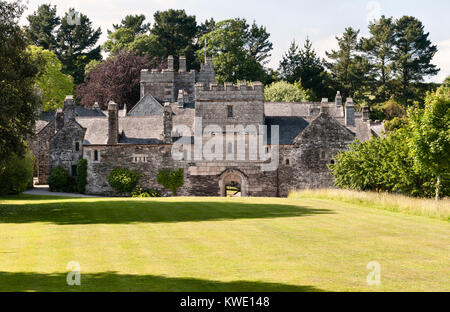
column 95, row 155
column 77, row 146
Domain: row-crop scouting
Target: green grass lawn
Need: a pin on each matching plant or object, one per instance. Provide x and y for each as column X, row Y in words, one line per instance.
column 217, row 244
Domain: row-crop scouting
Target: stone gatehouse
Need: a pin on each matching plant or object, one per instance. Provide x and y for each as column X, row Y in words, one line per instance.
column 177, row 111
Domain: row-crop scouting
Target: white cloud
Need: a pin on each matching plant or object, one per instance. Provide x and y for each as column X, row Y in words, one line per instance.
column 442, row 60
column 373, row 11
column 326, row 44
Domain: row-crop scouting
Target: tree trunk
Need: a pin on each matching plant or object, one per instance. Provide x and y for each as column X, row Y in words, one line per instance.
column 438, row 186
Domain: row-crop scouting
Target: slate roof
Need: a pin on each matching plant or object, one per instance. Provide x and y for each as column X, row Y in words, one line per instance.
column 290, row 128
column 147, row 106
column 132, row 130
column 141, row 130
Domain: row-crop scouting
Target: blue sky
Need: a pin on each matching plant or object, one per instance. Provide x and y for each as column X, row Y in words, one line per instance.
column 285, row 19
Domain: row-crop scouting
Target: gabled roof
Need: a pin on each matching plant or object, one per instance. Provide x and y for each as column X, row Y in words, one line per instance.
column 147, row 106
column 322, row 128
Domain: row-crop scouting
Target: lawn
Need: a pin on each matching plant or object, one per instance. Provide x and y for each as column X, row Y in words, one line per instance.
column 217, row 244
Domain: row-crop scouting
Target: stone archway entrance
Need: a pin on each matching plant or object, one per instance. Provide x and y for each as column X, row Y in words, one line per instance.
column 233, row 179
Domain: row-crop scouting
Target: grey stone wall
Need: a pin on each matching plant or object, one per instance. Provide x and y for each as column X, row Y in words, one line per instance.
column 212, row 104
column 63, row 146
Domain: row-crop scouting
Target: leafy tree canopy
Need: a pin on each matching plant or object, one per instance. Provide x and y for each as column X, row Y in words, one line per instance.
column 52, row 83
column 18, row 72
column 117, row 78
column 238, row 50
column 283, row 91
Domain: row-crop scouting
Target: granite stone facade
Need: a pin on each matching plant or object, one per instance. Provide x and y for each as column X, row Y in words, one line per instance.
column 184, row 112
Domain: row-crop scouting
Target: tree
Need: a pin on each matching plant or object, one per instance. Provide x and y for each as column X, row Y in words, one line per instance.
column 258, row 43
column 412, row 54
column 430, row 136
column 379, row 50
column 176, row 31
column 290, row 62
column 42, row 27
column 117, row 78
column 348, row 68
column 135, row 23
column 81, row 178
column 125, row 33
column 446, row 82
column 311, row 72
column 19, row 100
column 77, row 45
column 236, row 51
column 53, row 84
column 171, row 180
column 16, row 173
column 283, row 91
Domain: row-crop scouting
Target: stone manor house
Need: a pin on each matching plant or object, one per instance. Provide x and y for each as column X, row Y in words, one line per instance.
column 142, row 139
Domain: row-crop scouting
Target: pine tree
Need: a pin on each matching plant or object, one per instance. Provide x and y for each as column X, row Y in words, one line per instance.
column 379, row 51
column 311, row 71
column 42, row 27
column 348, row 67
column 76, row 45
column 290, row 62
column 413, row 55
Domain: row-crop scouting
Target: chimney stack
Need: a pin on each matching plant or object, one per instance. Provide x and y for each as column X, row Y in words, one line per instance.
column 349, row 112
column 59, row 119
column 69, row 109
column 113, row 123
column 168, row 124
column 365, row 114
column 182, row 65
column 170, row 63
column 338, row 99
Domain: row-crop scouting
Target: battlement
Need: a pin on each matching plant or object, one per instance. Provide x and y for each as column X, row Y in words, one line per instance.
column 229, row 92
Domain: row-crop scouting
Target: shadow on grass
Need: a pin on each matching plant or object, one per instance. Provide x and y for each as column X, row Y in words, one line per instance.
column 112, row 281
column 129, row 211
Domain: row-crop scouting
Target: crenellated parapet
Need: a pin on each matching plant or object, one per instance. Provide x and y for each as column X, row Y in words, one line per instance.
column 229, row 92
column 165, row 84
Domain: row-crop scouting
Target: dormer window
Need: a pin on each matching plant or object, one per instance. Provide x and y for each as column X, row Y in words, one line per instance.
column 230, row 111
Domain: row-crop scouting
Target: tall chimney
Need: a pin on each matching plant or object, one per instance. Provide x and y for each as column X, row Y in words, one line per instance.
column 69, row 108
column 170, row 63
column 349, row 112
column 365, row 114
column 168, row 124
column 59, row 119
column 182, row 65
column 338, row 99
column 113, row 123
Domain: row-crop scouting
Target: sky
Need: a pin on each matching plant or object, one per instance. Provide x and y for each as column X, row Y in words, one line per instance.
column 285, row 20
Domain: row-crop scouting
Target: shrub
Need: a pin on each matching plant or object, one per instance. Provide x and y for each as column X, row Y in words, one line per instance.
column 81, row 179
column 283, row 91
column 140, row 192
column 171, row 179
column 59, row 180
column 123, row 180
column 16, row 173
